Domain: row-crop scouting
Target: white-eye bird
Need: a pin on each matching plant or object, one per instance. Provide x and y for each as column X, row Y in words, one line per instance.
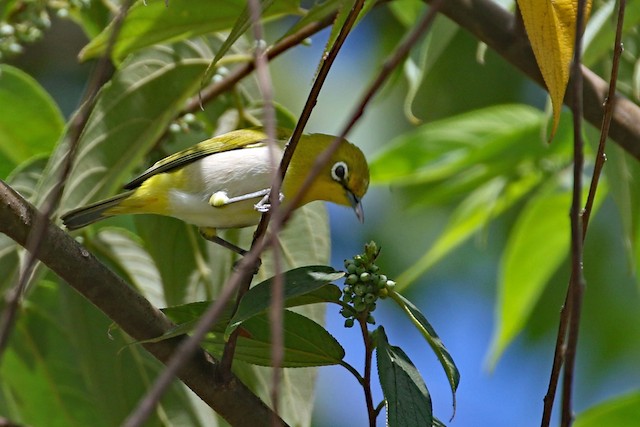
column 224, row 182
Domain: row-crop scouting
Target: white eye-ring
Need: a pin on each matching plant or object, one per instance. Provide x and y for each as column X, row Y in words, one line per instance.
column 340, row 171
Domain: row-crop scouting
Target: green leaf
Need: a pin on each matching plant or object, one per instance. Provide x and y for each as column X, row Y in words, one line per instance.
column 241, row 25
column 65, row 370
column 297, row 283
column 407, row 11
column 427, row 331
column 22, row 179
column 415, row 71
column 32, row 125
column 407, row 399
column 9, row 263
column 481, row 206
column 318, row 12
column 179, row 265
column 154, row 23
column 344, row 9
column 124, row 249
column 621, row 411
column 25, row 177
column 306, row 343
column 446, row 148
column 186, row 313
column 132, row 112
column 537, row 245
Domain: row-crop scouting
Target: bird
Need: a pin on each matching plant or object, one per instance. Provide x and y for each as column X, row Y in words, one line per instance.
column 224, row 182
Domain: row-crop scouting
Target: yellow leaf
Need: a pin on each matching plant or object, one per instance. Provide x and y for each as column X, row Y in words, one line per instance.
column 551, row 28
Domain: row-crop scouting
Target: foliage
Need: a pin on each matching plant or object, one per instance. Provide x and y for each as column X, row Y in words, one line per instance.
column 488, row 168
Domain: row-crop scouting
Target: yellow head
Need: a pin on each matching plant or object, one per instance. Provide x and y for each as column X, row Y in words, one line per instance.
column 344, row 180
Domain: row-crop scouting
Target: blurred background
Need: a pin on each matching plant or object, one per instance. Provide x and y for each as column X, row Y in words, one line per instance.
column 458, row 295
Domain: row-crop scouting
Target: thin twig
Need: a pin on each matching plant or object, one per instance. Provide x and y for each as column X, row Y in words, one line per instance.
column 100, row 76
column 214, row 90
column 277, row 292
column 399, row 54
column 577, row 285
column 609, row 105
column 366, row 378
column 261, row 230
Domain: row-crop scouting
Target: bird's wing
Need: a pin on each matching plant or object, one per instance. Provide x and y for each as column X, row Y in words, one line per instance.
column 245, row 138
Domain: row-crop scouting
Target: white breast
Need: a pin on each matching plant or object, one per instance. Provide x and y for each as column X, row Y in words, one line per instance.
column 236, row 172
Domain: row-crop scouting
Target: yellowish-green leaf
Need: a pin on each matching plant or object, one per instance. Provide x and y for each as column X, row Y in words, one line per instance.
column 538, row 244
column 551, row 28
column 30, row 123
column 482, row 206
column 621, row 411
column 154, row 22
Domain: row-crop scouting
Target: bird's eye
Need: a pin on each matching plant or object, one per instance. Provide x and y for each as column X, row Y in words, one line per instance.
column 340, row 171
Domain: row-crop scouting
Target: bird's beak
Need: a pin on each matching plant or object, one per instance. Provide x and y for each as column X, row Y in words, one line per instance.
column 356, row 205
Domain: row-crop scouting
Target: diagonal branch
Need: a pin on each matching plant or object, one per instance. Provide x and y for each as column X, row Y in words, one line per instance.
column 132, row 312
column 496, row 27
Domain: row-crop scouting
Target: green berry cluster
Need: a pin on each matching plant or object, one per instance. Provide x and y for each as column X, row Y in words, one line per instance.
column 363, row 286
column 27, row 20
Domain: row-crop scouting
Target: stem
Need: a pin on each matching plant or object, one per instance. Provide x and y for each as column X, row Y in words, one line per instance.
column 609, row 104
column 366, row 383
column 577, row 285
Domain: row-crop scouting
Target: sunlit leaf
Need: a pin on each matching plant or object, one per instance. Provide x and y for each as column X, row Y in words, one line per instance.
column 447, row 148
column 124, row 250
column 481, row 206
column 133, row 110
column 154, row 23
column 407, row 399
column 537, row 245
column 621, row 411
column 551, row 28
column 30, row 123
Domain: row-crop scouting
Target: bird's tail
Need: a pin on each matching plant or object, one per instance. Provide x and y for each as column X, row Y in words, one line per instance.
column 89, row 214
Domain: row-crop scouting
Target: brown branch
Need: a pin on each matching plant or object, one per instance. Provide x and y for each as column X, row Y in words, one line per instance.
column 559, row 351
column 133, row 313
column 577, row 285
column 496, row 27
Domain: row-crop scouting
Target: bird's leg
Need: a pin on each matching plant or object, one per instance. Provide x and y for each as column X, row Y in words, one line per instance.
column 210, row 235
column 221, row 198
column 263, row 205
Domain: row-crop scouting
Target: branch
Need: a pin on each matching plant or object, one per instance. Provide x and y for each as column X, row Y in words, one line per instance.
column 496, row 27
column 132, row 312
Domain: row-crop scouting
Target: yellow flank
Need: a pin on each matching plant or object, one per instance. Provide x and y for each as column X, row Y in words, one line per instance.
column 151, row 197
